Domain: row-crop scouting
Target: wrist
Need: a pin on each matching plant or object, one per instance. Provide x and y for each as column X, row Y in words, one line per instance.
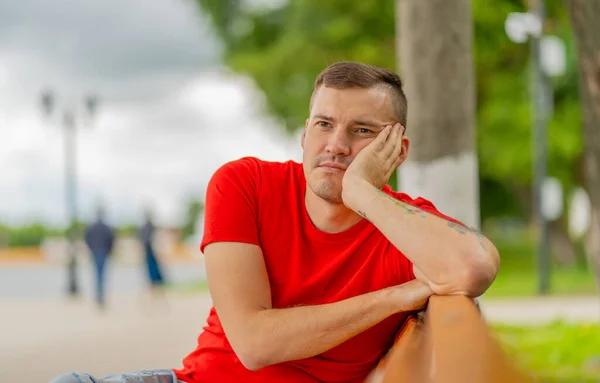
column 389, row 300
column 411, row 296
column 355, row 194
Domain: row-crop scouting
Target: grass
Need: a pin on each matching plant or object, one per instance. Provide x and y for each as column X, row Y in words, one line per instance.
column 557, row 352
column 189, row 287
column 518, row 275
column 523, row 283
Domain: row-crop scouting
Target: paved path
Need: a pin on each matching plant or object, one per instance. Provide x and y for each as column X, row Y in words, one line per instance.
column 41, row 339
column 534, row 311
column 40, row 280
column 43, row 334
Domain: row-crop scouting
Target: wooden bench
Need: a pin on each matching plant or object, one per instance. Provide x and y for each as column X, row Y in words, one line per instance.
column 449, row 342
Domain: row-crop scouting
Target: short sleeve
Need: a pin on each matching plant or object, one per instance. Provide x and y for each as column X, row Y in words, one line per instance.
column 401, row 266
column 230, row 212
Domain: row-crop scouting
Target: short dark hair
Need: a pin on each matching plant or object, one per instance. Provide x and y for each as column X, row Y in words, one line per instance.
column 345, row 75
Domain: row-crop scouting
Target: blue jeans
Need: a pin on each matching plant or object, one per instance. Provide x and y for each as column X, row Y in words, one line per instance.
column 100, row 259
column 146, row 376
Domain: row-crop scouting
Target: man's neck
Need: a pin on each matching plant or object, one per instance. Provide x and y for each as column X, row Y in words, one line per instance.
column 329, row 217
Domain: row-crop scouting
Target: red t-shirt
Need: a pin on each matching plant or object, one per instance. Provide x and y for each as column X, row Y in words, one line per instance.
column 262, row 203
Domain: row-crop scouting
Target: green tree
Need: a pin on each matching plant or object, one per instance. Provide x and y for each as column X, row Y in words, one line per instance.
column 194, row 210
column 28, row 235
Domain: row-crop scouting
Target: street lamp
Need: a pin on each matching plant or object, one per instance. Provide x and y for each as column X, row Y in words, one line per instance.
column 68, row 116
column 547, row 59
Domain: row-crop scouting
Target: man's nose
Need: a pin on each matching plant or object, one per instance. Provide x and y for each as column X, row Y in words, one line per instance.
column 339, row 142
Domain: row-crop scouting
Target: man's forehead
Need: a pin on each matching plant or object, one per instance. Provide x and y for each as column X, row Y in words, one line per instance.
column 359, row 102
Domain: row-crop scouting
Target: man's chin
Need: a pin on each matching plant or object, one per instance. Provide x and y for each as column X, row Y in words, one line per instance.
column 330, row 194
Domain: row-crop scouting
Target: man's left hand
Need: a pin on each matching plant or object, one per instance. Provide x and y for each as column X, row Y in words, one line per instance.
column 375, row 163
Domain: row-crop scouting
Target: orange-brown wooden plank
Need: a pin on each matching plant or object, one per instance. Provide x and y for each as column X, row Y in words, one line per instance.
column 453, row 346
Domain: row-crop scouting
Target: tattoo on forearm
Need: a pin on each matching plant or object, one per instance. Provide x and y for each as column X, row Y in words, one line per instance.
column 408, row 209
column 481, row 241
column 412, row 210
column 460, row 228
column 465, row 230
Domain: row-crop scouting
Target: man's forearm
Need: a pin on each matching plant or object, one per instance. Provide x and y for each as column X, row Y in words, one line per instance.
column 279, row 335
column 445, row 252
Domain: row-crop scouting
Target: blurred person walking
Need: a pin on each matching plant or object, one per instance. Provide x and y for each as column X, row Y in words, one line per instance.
column 99, row 238
column 153, row 267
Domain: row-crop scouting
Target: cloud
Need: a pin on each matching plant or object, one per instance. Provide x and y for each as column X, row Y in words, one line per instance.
column 109, row 38
column 168, row 116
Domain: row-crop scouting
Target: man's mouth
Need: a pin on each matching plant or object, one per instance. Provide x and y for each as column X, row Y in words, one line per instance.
column 332, row 165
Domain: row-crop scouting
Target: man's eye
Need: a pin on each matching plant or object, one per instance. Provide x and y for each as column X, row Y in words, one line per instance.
column 323, row 124
column 364, row 130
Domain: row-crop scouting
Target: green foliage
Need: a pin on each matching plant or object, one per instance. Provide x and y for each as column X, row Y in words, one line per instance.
column 26, row 235
column 195, row 209
column 31, row 235
column 34, row 234
column 284, row 49
column 517, row 275
column 555, row 351
column 129, row 230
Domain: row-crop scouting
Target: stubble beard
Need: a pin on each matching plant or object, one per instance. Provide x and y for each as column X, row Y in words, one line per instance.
column 328, row 190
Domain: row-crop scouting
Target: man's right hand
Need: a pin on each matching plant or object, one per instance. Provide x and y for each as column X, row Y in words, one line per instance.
column 413, row 295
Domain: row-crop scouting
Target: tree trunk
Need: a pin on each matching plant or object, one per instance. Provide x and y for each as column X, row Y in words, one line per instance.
column 435, row 39
column 584, row 20
column 561, row 245
column 563, row 248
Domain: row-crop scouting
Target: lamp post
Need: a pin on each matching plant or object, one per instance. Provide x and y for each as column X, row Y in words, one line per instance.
column 547, row 59
column 68, row 117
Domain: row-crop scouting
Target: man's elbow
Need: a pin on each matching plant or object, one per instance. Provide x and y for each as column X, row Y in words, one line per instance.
column 251, row 360
column 480, row 273
column 472, row 277
column 252, row 354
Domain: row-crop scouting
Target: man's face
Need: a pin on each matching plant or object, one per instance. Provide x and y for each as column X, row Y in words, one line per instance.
column 341, row 123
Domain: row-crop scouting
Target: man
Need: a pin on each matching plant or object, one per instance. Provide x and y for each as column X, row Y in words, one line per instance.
column 153, row 266
column 99, row 238
column 314, row 267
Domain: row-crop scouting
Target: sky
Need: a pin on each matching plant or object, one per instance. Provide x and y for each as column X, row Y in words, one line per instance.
column 169, row 113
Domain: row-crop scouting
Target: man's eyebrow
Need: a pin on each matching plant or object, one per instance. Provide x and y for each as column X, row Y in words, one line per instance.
column 368, row 123
column 324, row 117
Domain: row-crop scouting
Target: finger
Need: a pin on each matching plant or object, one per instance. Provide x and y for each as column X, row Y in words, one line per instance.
column 395, row 164
column 393, row 167
column 392, row 141
column 398, row 147
column 382, row 137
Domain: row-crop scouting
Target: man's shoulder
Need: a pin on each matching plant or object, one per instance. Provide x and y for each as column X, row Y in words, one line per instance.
column 257, row 167
column 251, row 161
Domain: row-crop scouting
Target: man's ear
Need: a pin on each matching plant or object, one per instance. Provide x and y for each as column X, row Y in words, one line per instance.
column 404, row 151
column 303, row 134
